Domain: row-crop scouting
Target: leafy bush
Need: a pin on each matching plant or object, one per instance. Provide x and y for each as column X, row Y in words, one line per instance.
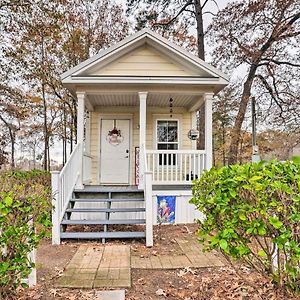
column 25, row 205
column 253, row 215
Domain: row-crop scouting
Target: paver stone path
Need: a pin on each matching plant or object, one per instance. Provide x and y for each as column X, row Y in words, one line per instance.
column 98, row 266
column 110, row 265
column 192, row 256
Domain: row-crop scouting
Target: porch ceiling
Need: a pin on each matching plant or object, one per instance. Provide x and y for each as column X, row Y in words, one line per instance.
column 153, row 99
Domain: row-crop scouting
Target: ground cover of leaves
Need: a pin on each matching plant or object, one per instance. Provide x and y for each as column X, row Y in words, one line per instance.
column 186, row 284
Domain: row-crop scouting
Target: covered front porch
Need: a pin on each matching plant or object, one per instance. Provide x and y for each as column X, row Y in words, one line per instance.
column 125, row 134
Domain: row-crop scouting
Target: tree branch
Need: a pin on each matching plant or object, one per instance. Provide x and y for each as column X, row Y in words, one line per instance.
column 190, row 11
column 277, row 62
column 209, row 12
column 204, row 4
column 176, row 16
column 271, row 92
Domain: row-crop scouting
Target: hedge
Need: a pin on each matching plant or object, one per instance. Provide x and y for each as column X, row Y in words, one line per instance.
column 253, row 215
column 25, row 206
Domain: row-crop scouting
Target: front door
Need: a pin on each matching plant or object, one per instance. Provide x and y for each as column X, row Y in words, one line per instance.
column 115, row 151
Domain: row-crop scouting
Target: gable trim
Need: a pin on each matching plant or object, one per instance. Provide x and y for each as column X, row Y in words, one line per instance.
column 154, row 40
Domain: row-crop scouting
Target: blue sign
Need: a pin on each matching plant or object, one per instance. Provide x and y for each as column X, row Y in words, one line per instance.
column 166, row 209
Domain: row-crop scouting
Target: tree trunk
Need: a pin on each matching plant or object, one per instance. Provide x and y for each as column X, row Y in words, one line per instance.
column 34, row 155
column 223, row 144
column 75, row 119
column 48, row 155
column 46, row 146
column 12, row 137
column 201, row 128
column 46, row 138
column 71, row 137
column 241, row 150
column 64, row 134
column 200, row 29
column 236, row 131
column 12, row 143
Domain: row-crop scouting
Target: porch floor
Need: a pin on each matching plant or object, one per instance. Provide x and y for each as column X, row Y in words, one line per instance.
column 133, row 188
column 108, row 188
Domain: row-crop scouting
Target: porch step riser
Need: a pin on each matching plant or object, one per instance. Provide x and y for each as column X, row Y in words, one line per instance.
column 110, row 195
column 101, row 210
column 103, row 235
column 103, row 222
column 83, row 200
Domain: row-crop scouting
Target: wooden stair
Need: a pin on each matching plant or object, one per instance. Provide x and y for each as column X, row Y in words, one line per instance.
column 98, row 206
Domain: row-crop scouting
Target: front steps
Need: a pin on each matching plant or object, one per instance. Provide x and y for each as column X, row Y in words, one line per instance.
column 113, row 210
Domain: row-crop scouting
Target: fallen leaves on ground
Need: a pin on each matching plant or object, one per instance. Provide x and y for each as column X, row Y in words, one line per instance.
column 204, row 284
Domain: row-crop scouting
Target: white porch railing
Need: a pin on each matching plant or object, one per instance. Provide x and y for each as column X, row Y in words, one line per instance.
column 87, row 168
column 63, row 184
column 175, row 166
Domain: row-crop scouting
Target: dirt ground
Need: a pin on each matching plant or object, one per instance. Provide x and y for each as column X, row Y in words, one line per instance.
column 186, row 284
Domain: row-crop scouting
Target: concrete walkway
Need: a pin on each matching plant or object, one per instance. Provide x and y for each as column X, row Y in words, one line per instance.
column 110, row 265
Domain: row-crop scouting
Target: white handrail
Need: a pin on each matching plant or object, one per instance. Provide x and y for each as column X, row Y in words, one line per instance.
column 63, row 184
column 68, row 178
column 176, row 151
column 175, row 166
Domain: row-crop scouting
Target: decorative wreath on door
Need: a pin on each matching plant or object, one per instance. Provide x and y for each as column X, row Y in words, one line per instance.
column 114, row 136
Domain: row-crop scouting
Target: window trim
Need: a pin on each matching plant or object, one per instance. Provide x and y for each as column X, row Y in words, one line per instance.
column 165, row 117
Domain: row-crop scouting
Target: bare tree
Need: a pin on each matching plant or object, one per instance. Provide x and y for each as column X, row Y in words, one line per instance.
column 260, row 34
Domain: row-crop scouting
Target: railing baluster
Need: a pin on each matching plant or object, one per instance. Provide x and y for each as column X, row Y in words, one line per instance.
column 194, row 157
column 153, row 166
column 185, row 167
column 171, row 167
column 157, row 166
column 167, row 167
column 176, row 166
column 162, row 167
column 190, row 167
column 148, row 162
column 180, row 167
column 199, row 167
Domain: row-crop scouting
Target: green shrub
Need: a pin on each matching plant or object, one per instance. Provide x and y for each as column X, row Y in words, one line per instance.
column 25, row 205
column 253, row 215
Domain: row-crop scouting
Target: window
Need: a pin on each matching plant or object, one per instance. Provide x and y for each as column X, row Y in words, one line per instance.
column 167, row 139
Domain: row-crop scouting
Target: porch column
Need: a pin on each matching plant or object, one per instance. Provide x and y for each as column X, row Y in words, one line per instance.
column 143, row 110
column 80, row 134
column 80, row 117
column 208, row 129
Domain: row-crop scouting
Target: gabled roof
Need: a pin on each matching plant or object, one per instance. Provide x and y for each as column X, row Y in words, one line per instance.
column 175, row 53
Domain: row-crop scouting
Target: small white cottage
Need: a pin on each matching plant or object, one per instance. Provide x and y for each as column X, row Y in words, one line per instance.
column 136, row 154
